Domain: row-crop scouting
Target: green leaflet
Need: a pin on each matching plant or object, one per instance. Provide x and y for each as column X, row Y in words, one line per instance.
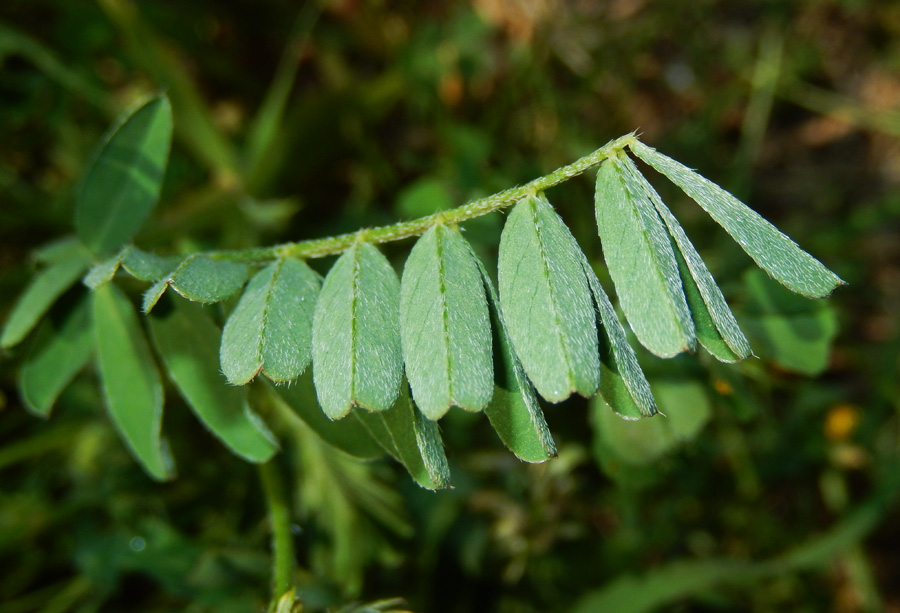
column 514, row 411
column 59, row 352
column 547, row 303
column 622, row 382
column 270, row 330
column 412, row 439
column 204, row 279
column 130, row 380
column 793, row 332
column 641, row 263
column 348, row 435
column 103, row 272
column 122, row 185
column 444, row 325
column 65, row 267
column 356, row 337
column 717, row 329
column 153, row 294
column 188, row 342
column 147, row 266
column 774, row 252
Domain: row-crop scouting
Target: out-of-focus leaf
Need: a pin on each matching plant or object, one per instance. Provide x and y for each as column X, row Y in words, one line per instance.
column 514, row 411
column 147, row 266
column 60, row 250
column 59, row 353
column 348, row 435
column 774, row 252
column 130, row 380
column 270, row 330
column 203, row 279
column 356, row 335
column 622, row 382
column 122, row 185
column 639, row 256
column 412, row 439
column 444, row 325
column 188, row 342
column 103, row 272
column 793, row 332
column 547, row 303
column 685, row 407
column 49, row 284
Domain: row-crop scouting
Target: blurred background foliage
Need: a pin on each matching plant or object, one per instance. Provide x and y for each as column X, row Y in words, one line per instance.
column 769, row 488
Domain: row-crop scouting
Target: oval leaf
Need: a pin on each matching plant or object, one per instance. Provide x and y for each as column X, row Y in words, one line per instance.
column 122, row 185
column 41, row 293
column 547, row 303
column 774, row 252
column 356, row 337
column 270, row 330
column 622, row 382
column 444, row 325
column 514, row 411
column 130, row 380
column 60, row 351
column 203, row 279
column 188, row 342
column 147, row 266
column 641, row 263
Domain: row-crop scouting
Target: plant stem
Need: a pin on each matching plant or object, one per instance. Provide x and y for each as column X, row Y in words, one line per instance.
column 282, row 540
column 336, row 244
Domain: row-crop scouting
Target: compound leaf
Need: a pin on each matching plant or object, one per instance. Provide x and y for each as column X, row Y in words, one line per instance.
column 203, row 279
column 62, row 272
column 639, row 256
column 444, row 325
column 130, row 380
column 270, row 330
column 547, row 303
column 356, row 337
column 59, row 353
column 773, row 251
column 514, row 411
column 622, row 382
column 122, row 185
column 188, row 342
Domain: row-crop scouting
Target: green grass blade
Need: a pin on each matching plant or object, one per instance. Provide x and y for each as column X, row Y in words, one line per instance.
column 130, row 380
column 45, row 288
column 204, row 279
column 773, row 251
column 514, row 411
column 270, row 330
column 547, row 303
column 641, row 263
column 356, row 337
column 188, row 342
column 444, row 325
column 122, row 185
column 60, row 352
column 622, row 382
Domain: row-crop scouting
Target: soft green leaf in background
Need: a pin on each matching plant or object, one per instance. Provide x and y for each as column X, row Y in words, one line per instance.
column 793, row 332
column 774, row 252
column 188, row 342
column 514, row 411
column 623, row 385
column 59, row 351
column 122, row 185
column 130, row 379
column 270, row 330
column 547, row 303
column 203, row 279
column 444, row 325
column 66, row 264
column 356, row 334
column 639, row 257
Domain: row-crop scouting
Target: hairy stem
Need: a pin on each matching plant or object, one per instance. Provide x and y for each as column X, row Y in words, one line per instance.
column 336, row 244
column 280, row 519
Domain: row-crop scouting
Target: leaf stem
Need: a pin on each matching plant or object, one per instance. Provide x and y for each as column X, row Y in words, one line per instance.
column 337, row 244
column 282, row 540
